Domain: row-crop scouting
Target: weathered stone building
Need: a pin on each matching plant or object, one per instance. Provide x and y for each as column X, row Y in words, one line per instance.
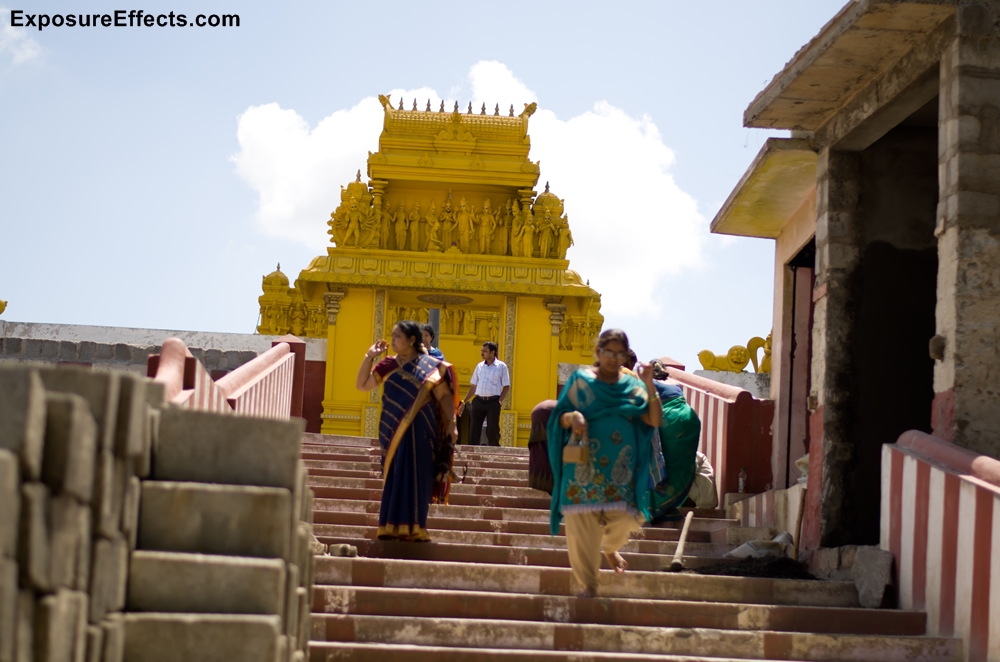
column 885, row 208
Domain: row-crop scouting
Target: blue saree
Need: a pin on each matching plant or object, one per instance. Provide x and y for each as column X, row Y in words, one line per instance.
column 417, row 453
column 620, row 450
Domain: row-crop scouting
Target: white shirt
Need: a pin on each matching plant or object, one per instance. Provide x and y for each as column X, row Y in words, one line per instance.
column 489, row 380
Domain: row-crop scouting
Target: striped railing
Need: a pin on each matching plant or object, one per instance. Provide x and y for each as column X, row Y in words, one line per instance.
column 941, row 521
column 270, row 386
column 735, row 431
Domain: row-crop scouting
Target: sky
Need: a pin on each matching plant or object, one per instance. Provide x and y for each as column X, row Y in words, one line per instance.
column 150, row 176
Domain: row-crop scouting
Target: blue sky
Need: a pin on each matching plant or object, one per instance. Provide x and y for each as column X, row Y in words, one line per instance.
column 124, row 202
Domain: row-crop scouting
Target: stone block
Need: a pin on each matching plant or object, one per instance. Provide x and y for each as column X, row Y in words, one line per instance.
column 114, row 638
column 304, row 608
column 130, row 430
column 68, row 350
column 12, row 347
column 87, row 350
column 200, row 638
column 130, row 511
column 122, row 353
column 60, row 627
column 143, row 463
column 95, row 644
column 213, row 359
column 108, row 577
column 103, row 502
column 22, row 418
column 32, row 348
column 872, row 571
column 99, row 389
column 205, row 584
column 84, row 553
column 50, row 349
column 215, row 519
column 10, row 503
column 291, row 620
column 69, row 521
column 235, row 450
column 8, row 609
column 156, row 395
column 70, row 446
column 105, row 352
column 33, row 537
column 138, row 355
column 24, row 646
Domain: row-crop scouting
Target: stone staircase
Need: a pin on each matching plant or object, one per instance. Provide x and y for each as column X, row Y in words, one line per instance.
column 495, row 585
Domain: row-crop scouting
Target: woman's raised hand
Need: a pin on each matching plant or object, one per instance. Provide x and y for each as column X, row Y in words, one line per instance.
column 379, row 347
column 645, row 372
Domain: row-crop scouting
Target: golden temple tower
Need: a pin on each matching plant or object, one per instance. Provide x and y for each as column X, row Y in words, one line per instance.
column 449, row 219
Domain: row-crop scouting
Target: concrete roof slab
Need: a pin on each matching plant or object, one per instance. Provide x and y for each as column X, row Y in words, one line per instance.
column 780, row 178
column 862, row 40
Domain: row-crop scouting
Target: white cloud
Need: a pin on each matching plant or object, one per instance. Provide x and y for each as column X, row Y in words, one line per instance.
column 16, row 41
column 631, row 222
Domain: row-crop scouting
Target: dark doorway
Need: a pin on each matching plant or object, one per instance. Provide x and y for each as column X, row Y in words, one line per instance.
column 895, row 293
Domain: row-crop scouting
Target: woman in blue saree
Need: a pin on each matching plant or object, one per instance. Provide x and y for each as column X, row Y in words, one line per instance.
column 417, row 430
column 604, row 496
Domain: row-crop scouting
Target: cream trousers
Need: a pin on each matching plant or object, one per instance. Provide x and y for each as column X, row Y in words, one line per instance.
column 587, row 534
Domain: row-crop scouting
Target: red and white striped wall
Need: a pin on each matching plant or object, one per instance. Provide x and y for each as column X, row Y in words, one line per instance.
column 735, row 431
column 940, row 517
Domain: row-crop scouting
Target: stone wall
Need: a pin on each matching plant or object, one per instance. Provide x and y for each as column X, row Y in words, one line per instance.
column 133, row 530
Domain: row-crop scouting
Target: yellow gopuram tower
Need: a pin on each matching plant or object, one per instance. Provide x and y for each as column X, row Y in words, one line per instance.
column 448, row 219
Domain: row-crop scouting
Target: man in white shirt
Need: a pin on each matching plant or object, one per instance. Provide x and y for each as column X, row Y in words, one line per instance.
column 489, row 386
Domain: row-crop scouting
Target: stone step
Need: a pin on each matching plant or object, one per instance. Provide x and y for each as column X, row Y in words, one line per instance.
column 636, row 639
column 427, row 603
column 506, row 539
column 495, row 469
column 495, row 513
column 207, row 584
column 497, row 526
column 215, row 519
column 395, row 573
column 461, row 460
column 360, row 494
column 157, row 637
column 376, row 474
column 459, row 553
column 362, row 442
column 324, row 651
column 456, row 488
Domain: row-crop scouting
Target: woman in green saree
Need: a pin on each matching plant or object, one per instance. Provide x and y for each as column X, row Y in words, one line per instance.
column 678, row 436
column 604, row 496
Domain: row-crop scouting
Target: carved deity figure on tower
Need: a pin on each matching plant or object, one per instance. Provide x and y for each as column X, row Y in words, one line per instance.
column 353, row 223
column 447, row 222
column 386, row 223
column 487, row 224
column 545, row 234
column 433, row 229
column 414, row 223
column 400, row 227
column 527, row 231
column 515, row 230
column 503, row 228
column 465, row 227
column 565, row 237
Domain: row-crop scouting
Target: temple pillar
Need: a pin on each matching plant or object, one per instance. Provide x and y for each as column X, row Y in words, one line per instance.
column 837, row 258
column 968, row 231
column 332, row 301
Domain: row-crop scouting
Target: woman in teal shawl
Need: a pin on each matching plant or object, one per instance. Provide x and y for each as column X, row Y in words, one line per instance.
column 678, row 436
column 605, row 496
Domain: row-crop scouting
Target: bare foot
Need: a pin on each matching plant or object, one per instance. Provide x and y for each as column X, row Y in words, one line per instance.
column 617, row 561
column 588, row 593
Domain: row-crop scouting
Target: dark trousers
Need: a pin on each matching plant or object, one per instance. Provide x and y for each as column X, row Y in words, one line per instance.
column 487, row 409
